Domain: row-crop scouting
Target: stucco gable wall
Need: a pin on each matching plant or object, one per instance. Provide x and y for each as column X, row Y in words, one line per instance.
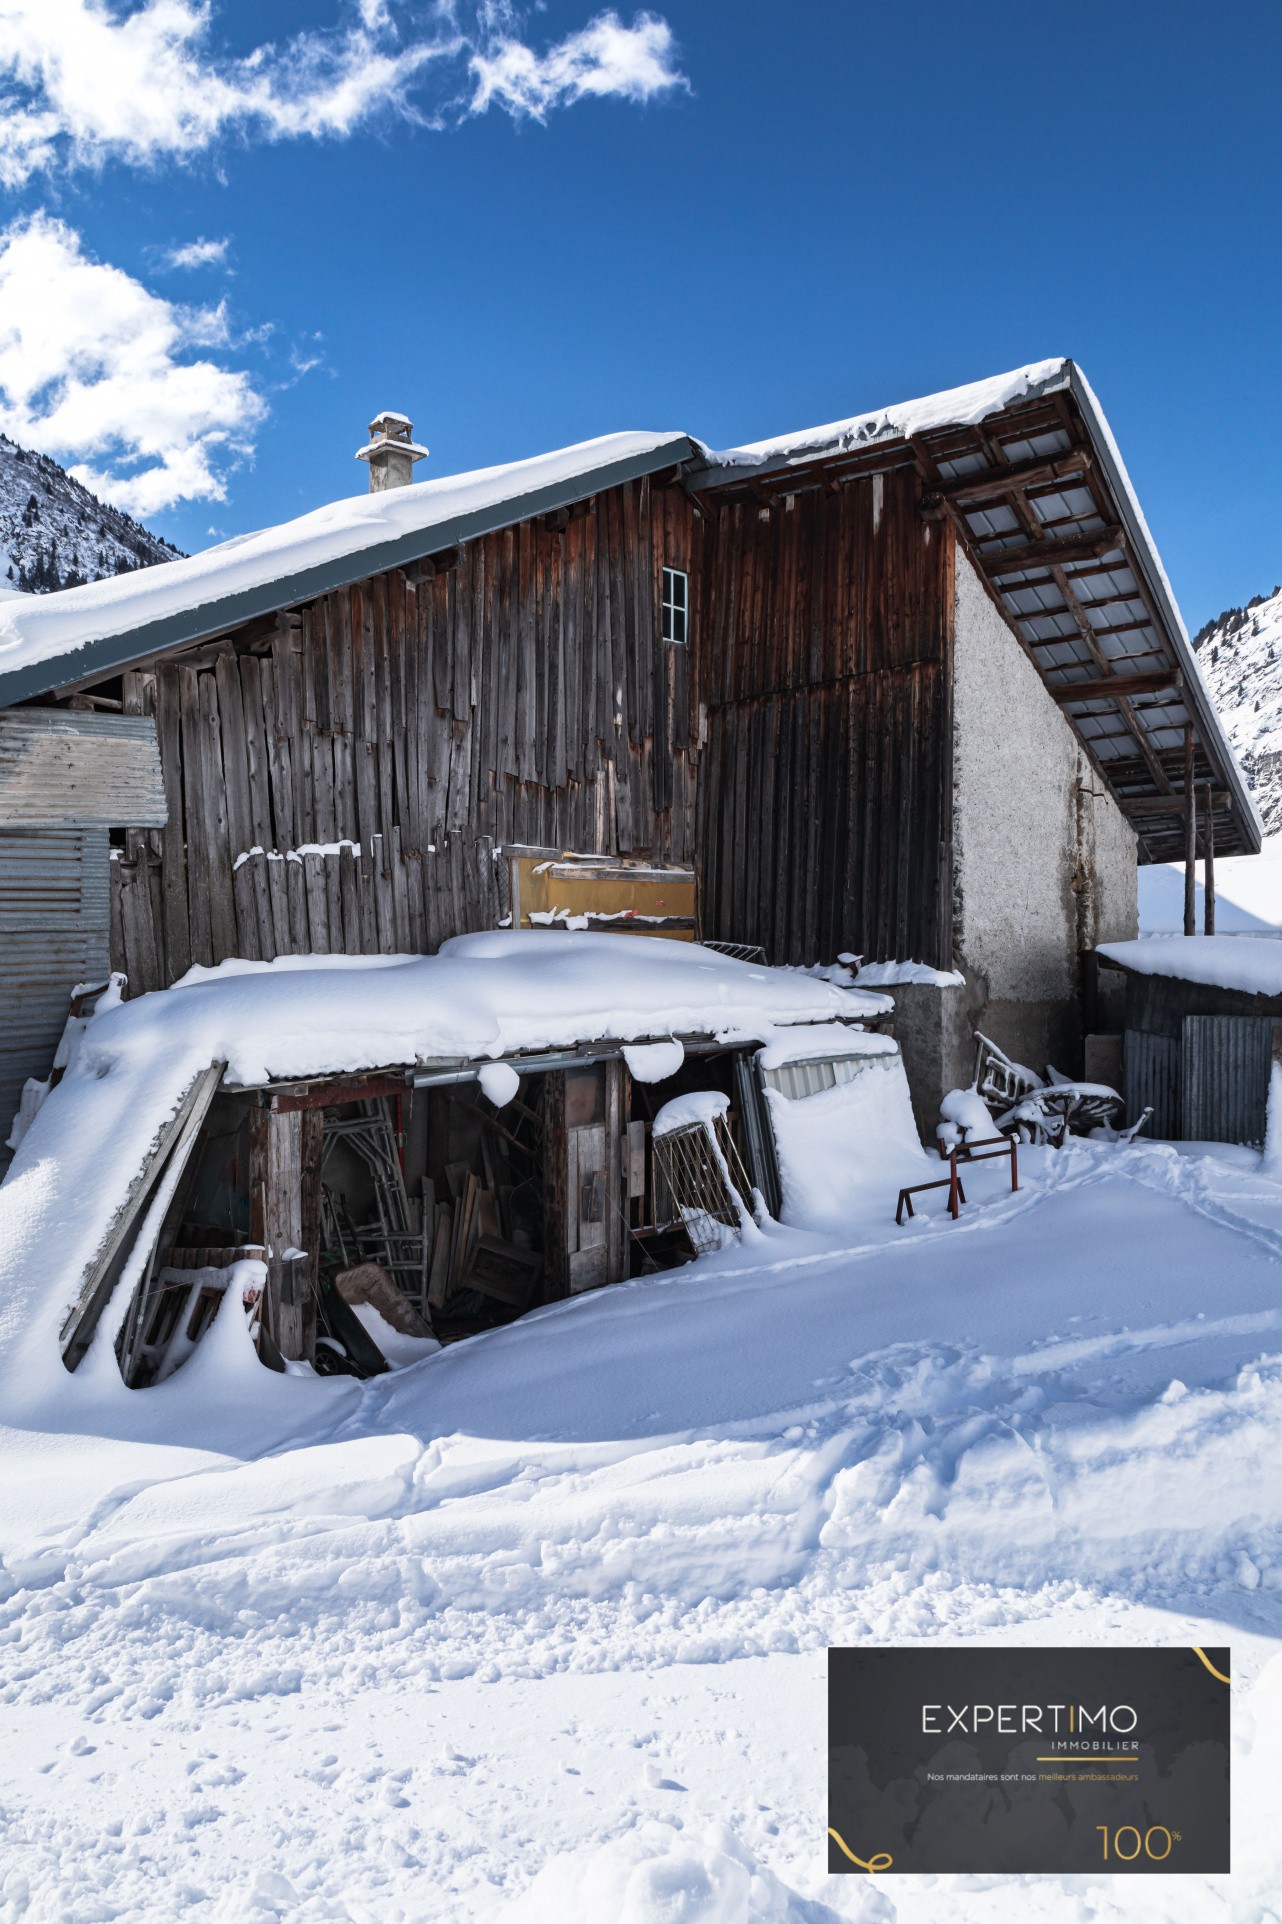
column 1044, row 861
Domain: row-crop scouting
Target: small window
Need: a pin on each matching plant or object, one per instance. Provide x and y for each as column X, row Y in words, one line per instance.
column 676, row 606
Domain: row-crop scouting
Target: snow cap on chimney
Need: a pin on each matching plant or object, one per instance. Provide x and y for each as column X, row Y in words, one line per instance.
column 392, row 451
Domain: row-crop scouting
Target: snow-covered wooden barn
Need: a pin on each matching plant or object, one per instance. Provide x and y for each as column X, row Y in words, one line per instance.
column 911, row 687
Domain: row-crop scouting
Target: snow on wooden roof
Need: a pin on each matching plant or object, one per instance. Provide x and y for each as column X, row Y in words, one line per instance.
column 47, row 641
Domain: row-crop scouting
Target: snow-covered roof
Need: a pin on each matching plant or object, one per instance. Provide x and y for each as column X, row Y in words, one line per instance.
column 1124, row 627
column 483, row 997
column 953, row 407
column 49, row 640
column 1251, row 964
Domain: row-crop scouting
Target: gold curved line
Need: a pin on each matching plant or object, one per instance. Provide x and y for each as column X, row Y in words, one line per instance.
column 881, row 1862
column 1210, row 1666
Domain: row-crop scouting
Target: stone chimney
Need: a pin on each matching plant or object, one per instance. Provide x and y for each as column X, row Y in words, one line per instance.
column 391, row 453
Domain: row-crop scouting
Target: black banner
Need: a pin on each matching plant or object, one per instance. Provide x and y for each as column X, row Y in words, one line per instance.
column 1033, row 1760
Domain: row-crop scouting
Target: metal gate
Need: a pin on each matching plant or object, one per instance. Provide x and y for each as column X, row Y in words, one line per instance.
column 1225, row 1062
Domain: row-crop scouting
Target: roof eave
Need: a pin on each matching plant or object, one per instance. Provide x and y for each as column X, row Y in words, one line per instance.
column 206, row 619
column 1145, row 550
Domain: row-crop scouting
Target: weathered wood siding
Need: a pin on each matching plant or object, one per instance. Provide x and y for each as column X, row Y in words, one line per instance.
column 825, row 667
column 519, row 695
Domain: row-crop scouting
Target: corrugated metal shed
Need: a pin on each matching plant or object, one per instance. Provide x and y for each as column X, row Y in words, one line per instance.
column 67, row 768
column 1225, row 1061
column 54, row 933
column 1151, row 1080
column 1200, row 1056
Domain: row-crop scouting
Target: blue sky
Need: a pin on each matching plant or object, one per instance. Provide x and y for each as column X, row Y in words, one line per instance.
column 522, row 229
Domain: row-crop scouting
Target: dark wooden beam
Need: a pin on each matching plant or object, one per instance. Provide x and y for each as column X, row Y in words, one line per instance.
column 1114, row 686
column 290, row 1098
column 1169, row 804
column 991, row 482
column 1085, row 547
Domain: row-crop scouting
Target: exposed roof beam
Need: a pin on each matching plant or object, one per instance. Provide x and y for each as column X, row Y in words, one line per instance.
column 1036, row 554
column 1167, row 804
column 988, row 482
column 1114, row 685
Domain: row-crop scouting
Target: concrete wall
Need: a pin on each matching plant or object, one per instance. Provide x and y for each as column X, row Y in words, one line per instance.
column 1044, row 862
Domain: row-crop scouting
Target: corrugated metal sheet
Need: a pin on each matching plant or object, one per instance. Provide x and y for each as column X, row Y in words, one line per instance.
column 54, row 933
column 799, row 1079
column 64, row 768
column 1151, row 1080
column 1225, row 1061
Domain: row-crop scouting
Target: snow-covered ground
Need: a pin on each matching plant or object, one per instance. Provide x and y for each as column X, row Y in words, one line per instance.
column 535, row 1629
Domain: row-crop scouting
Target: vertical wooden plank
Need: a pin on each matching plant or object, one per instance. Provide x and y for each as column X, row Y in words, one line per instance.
column 349, row 888
column 262, row 833
column 257, row 870
column 279, row 758
column 116, row 933
column 200, row 939
column 527, row 694
column 138, row 932
column 246, row 905
column 278, row 888
column 369, row 915
column 235, row 757
column 222, row 912
column 333, row 902
column 318, row 937
column 173, row 841
column 377, row 597
column 402, row 941
column 296, row 893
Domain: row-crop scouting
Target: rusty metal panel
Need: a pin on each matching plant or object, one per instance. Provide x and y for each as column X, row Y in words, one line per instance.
column 54, row 933
column 1151, row 1080
column 69, row 768
column 1225, row 1062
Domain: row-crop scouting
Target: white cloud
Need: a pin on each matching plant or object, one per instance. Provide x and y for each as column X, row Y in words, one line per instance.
column 604, row 58
column 95, row 367
column 198, row 253
column 83, row 81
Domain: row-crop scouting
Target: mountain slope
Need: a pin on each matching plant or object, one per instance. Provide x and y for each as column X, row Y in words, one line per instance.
column 1240, row 654
column 55, row 534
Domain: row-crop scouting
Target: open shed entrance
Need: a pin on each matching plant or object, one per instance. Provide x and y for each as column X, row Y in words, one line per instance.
column 414, row 1206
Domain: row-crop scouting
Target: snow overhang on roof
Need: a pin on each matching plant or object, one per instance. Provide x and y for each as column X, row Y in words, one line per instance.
column 1027, row 469
column 48, row 642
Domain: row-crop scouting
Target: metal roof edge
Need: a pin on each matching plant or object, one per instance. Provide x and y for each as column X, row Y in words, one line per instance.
column 1159, row 586
column 210, row 618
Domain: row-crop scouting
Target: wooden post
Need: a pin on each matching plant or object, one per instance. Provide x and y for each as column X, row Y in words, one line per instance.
column 1190, row 836
column 285, row 1216
column 1208, row 917
column 556, row 1198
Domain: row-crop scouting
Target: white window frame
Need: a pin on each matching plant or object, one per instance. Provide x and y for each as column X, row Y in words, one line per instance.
column 676, row 607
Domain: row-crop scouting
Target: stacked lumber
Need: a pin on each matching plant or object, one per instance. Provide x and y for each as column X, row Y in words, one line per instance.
column 471, row 1252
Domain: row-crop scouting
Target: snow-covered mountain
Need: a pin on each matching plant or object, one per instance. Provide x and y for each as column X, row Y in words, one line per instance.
column 1240, row 653
column 55, row 534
